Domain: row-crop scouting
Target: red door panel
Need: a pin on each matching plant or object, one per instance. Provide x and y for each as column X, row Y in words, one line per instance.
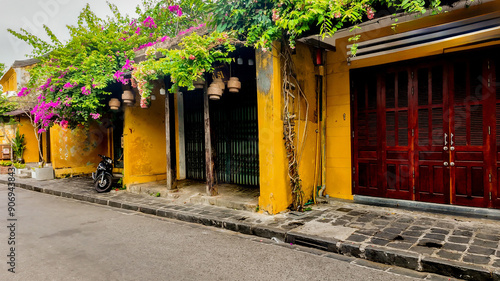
column 365, row 141
column 432, row 177
column 397, row 177
column 429, row 131
column 469, row 145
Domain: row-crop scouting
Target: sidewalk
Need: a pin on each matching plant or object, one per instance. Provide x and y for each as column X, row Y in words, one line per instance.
column 459, row 247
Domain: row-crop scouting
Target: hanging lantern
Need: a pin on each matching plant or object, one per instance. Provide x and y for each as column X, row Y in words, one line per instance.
column 220, row 83
column 114, row 104
column 234, row 85
column 128, row 97
column 199, row 83
column 214, row 92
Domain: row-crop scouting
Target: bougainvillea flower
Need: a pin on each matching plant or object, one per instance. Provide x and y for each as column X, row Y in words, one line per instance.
column 175, row 9
column 85, row 91
column 24, row 92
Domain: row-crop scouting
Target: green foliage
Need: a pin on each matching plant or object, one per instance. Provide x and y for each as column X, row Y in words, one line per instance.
column 6, row 105
column 6, row 163
column 2, row 69
column 260, row 22
column 196, row 55
column 19, row 165
column 251, row 20
column 18, row 146
column 71, row 78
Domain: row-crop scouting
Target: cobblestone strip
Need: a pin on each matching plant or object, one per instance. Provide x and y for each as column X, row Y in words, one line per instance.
column 423, row 245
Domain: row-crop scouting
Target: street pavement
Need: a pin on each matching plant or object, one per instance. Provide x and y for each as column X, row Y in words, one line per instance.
column 455, row 246
column 64, row 239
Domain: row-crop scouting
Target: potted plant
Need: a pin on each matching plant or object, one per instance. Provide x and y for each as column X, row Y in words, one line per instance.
column 4, row 167
column 18, row 147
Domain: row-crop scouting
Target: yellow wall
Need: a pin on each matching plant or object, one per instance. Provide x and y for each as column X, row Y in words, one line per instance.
column 9, row 81
column 6, row 133
column 275, row 191
column 144, row 142
column 75, row 151
column 31, row 152
column 339, row 180
column 306, row 77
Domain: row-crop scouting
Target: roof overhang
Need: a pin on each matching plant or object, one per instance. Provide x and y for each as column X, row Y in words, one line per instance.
column 16, row 112
column 479, row 29
column 329, row 42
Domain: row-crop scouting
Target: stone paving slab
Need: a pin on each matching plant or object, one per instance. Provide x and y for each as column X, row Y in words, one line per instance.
column 459, row 247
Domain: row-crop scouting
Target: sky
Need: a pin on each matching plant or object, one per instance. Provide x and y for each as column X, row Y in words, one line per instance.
column 56, row 14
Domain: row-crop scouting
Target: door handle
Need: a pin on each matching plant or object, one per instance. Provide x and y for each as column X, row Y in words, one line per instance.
column 445, row 164
column 445, row 148
column 452, row 164
column 452, row 148
column 451, row 139
column 445, row 139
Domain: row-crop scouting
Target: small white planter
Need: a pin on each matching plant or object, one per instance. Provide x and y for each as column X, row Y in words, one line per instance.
column 41, row 174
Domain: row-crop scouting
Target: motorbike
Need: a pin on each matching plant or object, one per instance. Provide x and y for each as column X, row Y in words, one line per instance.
column 103, row 176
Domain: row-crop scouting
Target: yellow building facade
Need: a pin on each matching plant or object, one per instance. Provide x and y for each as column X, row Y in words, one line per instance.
column 409, row 49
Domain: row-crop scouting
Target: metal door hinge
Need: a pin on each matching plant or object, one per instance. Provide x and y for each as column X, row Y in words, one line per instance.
column 353, row 170
column 353, row 183
column 412, row 75
column 490, row 177
column 414, row 190
column 412, row 91
column 489, row 130
column 489, row 82
column 490, row 195
column 412, row 132
column 353, row 134
column 413, row 174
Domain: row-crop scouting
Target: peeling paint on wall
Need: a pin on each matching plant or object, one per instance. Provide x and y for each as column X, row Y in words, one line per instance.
column 265, row 73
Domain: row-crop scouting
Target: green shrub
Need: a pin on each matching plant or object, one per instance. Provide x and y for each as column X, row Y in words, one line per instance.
column 5, row 163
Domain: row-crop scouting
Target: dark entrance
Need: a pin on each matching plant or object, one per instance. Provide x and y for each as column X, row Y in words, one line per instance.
column 234, row 127
column 429, row 130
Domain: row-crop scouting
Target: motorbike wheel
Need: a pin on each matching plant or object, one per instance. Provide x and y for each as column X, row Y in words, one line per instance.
column 103, row 184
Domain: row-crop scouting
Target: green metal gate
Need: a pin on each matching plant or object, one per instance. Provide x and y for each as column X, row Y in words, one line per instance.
column 234, row 136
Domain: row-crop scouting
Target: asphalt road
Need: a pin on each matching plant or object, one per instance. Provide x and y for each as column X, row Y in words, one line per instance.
column 64, row 239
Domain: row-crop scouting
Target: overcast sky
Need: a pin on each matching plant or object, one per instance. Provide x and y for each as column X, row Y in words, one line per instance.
column 56, row 14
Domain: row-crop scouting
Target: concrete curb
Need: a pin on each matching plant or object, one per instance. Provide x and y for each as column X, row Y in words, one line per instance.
column 404, row 259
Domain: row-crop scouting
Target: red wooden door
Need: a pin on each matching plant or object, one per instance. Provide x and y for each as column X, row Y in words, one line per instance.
column 493, row 89
column 398, row 149
column 366, row 156
column 470, row 131
column 429, row 131
column 432, row 178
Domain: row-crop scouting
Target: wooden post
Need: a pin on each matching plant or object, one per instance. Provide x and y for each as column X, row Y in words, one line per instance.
column 209, row 172
column 167, row 140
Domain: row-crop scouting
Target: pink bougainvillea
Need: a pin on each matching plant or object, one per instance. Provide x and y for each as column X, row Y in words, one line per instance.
column 85, row 91
column 149, row 22
column 24, row 92
column 175, row 9
column 43, row 113
column 63, row 124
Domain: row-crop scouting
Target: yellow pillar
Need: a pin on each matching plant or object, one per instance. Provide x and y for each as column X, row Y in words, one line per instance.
column 275, row 191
